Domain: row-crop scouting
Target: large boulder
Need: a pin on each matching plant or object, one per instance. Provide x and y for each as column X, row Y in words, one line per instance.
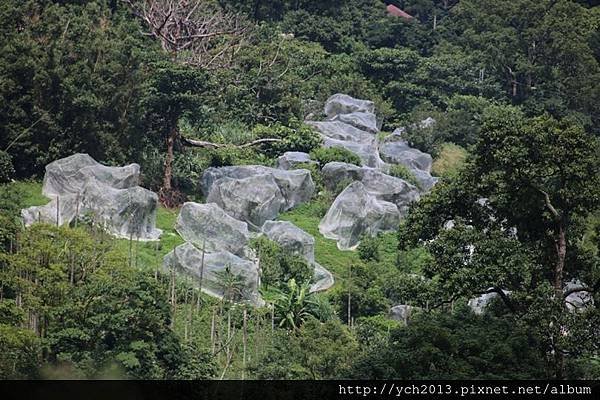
column 479, row 304
column 124, row 213
column 344, row 132
column 211, row 273
column 298, row 242
column 336, row 172
column 291, row 238
column 395, row 150
column 296, row 186
column 580, row 299
column 365, row 121
column 78, row 185
column 69, row 175
column 399, row 152
column 290, row 159
column 425, row 180
column 255, row 199
column 377, row 183
column 356, row 212
column 368, row 154
column 390, row 189
column 360, row 142
column 402, row 312
column 344, row 104
column 209, row 226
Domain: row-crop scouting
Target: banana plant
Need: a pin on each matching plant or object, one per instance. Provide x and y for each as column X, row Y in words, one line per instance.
column 292, row 306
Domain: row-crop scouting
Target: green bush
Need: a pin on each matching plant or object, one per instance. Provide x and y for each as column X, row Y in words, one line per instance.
column 324, row 155
column 368, row 249
column 298, row 137
column 402, row 172
column 277, row 265
column 6, row 167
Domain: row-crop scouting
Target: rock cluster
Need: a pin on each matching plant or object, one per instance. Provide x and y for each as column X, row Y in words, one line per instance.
column 255, row 193
column 377, row 204
column 217, row 245
column 78, row 185
column 395, row 150
column 351, row 124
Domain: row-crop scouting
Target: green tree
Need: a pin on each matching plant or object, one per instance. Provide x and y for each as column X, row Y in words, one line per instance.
column 518, row 209
column 171, row 93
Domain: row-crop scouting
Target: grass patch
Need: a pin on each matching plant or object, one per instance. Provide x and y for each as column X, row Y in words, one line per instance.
column 149, row 255
column 31, row 192
column 449, row 161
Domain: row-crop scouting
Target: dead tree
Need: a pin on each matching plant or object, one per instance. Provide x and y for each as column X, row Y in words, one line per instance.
column 193, row 32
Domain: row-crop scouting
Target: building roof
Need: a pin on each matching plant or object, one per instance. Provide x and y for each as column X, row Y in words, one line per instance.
column 393, row 10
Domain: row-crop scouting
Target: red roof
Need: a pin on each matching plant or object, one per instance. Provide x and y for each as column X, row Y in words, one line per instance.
column 393, row 10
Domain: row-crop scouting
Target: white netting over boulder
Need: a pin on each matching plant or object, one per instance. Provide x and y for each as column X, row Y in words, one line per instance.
column 356, row 212
column 109, row 196
column 209, row 226
column 219, row 274
column 69, row 175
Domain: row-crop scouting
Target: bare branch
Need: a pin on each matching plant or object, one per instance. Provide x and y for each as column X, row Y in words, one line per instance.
column 211, row 145
column 194, row 32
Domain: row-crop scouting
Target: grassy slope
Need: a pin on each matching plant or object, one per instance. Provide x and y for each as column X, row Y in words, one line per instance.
column 150, row 254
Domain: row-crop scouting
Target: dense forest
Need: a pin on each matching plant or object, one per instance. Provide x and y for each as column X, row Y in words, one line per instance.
column 179, row 87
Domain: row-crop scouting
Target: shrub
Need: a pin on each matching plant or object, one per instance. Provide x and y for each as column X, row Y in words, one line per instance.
column 7, row 170
column 368, row 249
column 402, row 172
column 298, row 137
column 324, row 155
column 278, row 265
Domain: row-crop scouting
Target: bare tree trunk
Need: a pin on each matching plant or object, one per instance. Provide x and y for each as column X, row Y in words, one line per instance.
column 212, row 331
column 561, row 252
column 349, row 296
column 244, row 343
column 168, row 172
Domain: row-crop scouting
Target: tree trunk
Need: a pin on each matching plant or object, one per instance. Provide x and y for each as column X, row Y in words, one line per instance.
column 561, row 252
column 168, row 173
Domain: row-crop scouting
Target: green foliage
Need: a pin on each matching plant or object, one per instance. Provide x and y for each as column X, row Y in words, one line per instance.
column 315, row 351
column 402, row 172
column 232, row 285
column 96, row 314
column 299, row 137
column 367, row 298
column 21, row 352
column 459, row 345
column 69, row 90
column 279, row 266
column 368, row 249
column 6, row 168
column 293, row 305
column 324, row 155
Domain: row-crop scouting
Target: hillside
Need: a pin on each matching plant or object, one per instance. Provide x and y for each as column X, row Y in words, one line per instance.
column 299, row 189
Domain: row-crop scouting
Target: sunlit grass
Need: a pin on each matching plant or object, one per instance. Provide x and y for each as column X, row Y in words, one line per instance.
column 449, row 161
